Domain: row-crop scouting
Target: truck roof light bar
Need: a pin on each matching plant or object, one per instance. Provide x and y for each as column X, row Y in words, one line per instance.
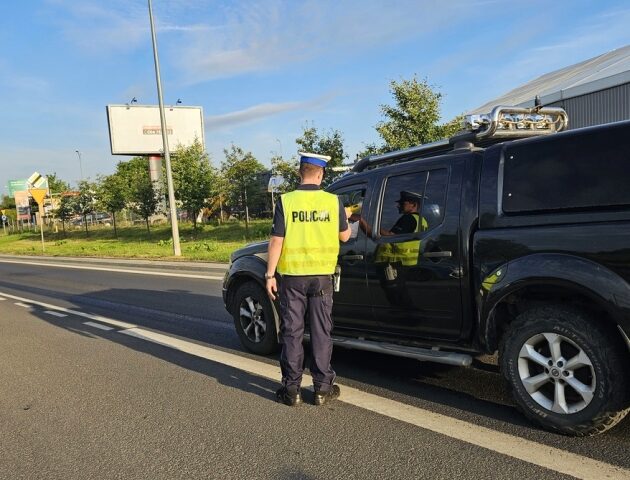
column 501, row 123
column 516, row 122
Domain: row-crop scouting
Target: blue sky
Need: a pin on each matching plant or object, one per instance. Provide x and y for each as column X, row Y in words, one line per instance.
column 262, row 70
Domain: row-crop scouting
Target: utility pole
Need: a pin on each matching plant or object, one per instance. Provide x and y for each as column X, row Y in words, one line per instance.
column 80, row 164
column 167, row 157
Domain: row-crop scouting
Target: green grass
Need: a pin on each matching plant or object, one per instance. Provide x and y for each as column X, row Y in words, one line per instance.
column 212, row 243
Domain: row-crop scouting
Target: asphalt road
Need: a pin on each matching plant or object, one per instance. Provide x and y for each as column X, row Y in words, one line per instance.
column 167, row 392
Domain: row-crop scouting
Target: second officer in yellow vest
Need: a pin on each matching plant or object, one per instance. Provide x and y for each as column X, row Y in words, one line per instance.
column 307, row 227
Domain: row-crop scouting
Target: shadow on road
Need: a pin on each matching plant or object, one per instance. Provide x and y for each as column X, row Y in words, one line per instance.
column 476, row 394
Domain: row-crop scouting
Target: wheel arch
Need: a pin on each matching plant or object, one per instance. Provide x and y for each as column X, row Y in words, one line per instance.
column 551, row 278
column 244, row 270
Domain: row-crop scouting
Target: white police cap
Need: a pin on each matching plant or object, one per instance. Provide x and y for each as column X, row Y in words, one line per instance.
column 313, row 158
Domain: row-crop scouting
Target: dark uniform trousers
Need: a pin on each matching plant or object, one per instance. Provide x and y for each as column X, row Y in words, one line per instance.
column 312, row 296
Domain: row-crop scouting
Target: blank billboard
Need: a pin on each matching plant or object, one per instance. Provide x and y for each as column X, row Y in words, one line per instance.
column 136, row 129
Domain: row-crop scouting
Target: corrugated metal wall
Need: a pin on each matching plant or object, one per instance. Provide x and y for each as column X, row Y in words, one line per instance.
column 604, row 106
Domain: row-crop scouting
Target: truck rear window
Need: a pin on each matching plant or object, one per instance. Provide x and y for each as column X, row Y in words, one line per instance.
column 581, row 171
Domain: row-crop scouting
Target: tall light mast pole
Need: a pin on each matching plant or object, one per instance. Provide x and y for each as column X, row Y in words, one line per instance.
column 80, row 164
column 167, row 156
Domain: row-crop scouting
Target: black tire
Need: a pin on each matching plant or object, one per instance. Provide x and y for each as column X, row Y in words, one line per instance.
column 254, row 319
column 600, row 397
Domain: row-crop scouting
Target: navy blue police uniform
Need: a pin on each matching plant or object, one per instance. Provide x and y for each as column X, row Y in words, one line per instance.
column 307, row 296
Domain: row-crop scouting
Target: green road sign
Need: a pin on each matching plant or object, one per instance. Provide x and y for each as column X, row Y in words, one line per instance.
column 17, row 186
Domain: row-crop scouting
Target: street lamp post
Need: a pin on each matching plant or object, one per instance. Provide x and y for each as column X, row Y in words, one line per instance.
column 80, row 164
column 280, row 143
column 167, row 157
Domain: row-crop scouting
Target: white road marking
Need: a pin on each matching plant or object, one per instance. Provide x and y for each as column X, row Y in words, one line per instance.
column 55, row 314
column 19, row 304
column 98, row 318
column 119, row 270
column 532, row 452
column 98, row 325
column 2, row 298
column 526, row 450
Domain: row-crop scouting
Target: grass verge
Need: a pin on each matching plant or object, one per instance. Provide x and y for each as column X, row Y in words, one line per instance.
column 212, row 243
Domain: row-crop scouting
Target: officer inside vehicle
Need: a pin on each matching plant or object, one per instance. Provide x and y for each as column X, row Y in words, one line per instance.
column 408, row 205
column 307, row 227
column 395, row 258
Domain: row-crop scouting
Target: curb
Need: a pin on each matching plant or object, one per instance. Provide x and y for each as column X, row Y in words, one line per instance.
column 177, row 265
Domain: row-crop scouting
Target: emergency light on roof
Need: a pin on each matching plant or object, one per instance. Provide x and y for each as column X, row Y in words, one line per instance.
column 502, row 123
column 516, row 122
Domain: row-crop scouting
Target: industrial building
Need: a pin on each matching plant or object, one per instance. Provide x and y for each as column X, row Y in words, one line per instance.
column 592, row 92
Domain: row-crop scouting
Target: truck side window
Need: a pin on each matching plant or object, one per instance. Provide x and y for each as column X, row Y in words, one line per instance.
column 353, row 199
column 402, row 205
column 581, row 171
column 435, row 198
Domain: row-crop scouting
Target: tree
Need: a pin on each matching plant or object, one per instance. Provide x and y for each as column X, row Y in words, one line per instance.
column 8, row 202
column 288, row 170
column 143, row 195
column 112, row 195
column 414, row 119
column 241, row 172
column 328, row 143
column 64, row 211
column 371, row 149
column 83, row 204
column 193, row 178
column 8, row 206
column 146, row 199
column 56, row 185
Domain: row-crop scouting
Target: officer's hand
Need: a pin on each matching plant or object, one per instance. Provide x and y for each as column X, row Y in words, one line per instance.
column 271, row 287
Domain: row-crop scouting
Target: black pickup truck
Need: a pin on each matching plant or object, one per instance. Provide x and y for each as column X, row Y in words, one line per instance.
column 523, row 248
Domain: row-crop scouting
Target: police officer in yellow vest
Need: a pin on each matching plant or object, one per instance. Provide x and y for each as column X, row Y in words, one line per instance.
column 398, row 258
column 308, row 224
column 405, row 253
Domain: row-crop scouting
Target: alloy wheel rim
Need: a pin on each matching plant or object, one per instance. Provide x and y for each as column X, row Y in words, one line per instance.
column 252, row 319
column 557, row 373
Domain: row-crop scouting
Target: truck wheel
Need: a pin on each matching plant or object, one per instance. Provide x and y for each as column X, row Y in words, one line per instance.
column 254, row 319
column 566, row 372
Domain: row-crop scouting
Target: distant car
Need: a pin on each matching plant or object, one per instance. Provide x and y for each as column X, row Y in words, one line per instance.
column 104, row 218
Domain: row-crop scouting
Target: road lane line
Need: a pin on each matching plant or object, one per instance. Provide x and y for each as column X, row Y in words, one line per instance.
column 98, row 318
column 2, row 299
column 118, row 270
column 55, row 314
column 526, row 450
column 98, row 325
column 19, row 304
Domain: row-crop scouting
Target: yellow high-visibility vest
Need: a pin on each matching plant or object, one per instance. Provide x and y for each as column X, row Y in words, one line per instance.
column 311, row 241
column 403, row 252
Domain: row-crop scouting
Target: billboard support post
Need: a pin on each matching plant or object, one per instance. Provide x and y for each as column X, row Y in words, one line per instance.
column 167, row 157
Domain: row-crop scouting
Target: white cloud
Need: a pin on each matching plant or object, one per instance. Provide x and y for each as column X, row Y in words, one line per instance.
column 267, row 35
column 116, row 25
column 97, row 28
column 602, row 33
column 257, row 112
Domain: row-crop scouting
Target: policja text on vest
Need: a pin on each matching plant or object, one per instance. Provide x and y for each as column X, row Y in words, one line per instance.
column 312, row 216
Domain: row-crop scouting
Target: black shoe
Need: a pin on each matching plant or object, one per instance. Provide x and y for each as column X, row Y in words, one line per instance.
column 289, row 398
column 323, row 397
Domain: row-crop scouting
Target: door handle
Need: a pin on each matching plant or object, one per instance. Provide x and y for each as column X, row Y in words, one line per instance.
column 352, row 258
column 444, row 254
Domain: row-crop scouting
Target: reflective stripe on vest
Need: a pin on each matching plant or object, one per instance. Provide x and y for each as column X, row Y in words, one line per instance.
column 403, row 252
column 311, row 242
